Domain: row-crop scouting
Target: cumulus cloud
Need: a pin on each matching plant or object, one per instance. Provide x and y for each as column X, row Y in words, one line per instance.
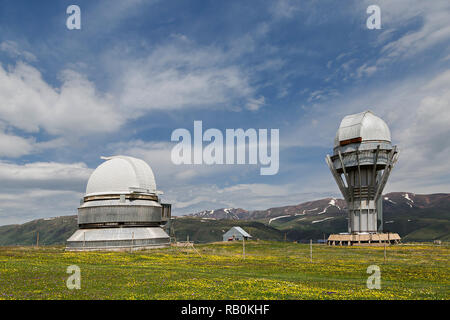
column 14, row 146
column 29, row 103
column 40, row 189
column 170, row 77
column 43, row 175
column 423, row 137
column 31, row 204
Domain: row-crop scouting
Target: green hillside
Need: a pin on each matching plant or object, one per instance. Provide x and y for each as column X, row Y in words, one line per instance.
column 58, row 230
column 54, row 231
column 412, row 222
column 203, row 230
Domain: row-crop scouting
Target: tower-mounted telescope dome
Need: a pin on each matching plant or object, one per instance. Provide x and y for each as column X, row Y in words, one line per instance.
column 362, row 127
column 121, row 175
column 361, row 163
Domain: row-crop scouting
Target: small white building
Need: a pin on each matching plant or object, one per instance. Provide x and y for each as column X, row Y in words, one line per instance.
column 236, row 233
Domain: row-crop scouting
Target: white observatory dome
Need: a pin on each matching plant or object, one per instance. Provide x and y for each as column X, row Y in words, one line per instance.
column 121, row 175
column 360, row 127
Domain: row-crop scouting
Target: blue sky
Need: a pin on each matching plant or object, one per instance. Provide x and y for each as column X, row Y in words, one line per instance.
column 137, row 70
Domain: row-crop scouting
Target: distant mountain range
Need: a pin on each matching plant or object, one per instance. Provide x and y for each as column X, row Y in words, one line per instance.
column 416, row 217
column 420, row 217
column 317, row 207
column 395, row 202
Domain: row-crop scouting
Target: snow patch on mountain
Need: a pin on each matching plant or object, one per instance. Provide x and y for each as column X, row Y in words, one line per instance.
column 321, row 220
column 324, row 210
column 332, row 203
column 389, row 200
column 305, row 211
column 276, row 218
column 408, row 198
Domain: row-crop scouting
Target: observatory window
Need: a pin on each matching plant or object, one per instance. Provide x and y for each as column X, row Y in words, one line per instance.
column 166, row 210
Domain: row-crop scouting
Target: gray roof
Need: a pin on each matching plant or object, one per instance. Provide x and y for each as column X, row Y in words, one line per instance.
column 241, row 231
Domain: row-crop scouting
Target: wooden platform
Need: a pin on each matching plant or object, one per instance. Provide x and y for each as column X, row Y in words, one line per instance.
column 373, row 239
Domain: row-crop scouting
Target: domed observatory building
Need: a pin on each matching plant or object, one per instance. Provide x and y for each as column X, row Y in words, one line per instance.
column 362, row 160
column 121, row 209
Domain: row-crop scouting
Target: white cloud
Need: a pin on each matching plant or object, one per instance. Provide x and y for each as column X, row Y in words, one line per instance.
column 255, row 104
column 322, row 94
column 29, row 103
column 44, row 175
column 423, row 137
column 14, row 146
column 38, row 204
column 175, row 76
column 365, row 70
column 181, row 76
column 252, row 196
column 434, row 28
column 409, row 27
column 40, row 189
column 13, row 50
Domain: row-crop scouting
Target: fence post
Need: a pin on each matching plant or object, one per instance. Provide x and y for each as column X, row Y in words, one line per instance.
column 132, row 242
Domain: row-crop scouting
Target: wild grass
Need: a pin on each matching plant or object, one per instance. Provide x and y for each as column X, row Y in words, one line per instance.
column 270, row 270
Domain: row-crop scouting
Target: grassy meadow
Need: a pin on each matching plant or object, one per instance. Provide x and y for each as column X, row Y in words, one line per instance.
column 270, row 270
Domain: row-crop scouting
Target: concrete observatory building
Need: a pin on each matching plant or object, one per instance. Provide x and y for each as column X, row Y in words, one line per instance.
column 121, row 209
column 362, row 160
